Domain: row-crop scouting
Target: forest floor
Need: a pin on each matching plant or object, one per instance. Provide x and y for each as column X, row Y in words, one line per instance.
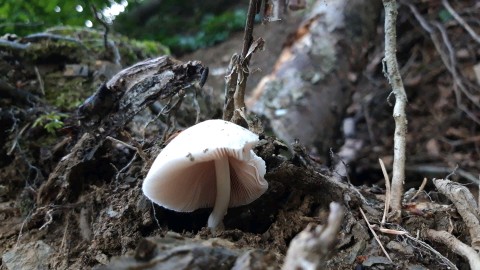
column 103, row 220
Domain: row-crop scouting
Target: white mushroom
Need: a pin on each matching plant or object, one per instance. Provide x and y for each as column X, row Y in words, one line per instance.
column 209, row 164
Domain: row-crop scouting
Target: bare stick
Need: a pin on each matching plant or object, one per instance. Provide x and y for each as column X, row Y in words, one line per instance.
column 395, row 80
column 248, row 35
column 456, row 246
column 243, row 72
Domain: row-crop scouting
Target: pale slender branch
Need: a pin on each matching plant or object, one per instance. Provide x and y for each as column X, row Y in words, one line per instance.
column 395, row 80
column 456, row 246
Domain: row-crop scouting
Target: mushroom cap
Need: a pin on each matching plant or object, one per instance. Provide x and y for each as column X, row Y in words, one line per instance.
column 182, row 177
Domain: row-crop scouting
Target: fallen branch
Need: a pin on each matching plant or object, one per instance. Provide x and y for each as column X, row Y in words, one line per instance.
column 466, row 206
column 456, row 246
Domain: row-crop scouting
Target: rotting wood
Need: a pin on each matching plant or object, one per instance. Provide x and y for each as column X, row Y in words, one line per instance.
column 112, row 106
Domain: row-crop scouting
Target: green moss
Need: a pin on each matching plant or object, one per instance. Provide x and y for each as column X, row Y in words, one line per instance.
column 67, row 93
column 46, row 50
column 131, row 50
column 150, row 47
column 51, row 122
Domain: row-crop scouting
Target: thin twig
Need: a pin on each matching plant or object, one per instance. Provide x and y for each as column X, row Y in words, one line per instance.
column 105, row 25
column 452, row 173
column 24, row 222
column 445, row 170
column 155, row 216
column 108, row 44
column 395, row 80
column 374, row 234
column 122, row 143
column 420, row 189
column 170, row 113
column 461, row 21
column 40, row 81
column 434, row 251
column 49, row 220
column 64, row 250
column 448, row 61
column 248, row 34
column 126, row 166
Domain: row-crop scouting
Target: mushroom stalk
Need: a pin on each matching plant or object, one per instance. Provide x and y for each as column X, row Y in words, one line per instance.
column 222, row 200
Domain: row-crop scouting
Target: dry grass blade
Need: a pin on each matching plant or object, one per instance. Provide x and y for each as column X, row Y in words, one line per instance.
column 420, row 189
column 387, row 191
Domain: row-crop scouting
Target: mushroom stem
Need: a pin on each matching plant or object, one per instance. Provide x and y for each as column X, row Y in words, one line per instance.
column 222, row 199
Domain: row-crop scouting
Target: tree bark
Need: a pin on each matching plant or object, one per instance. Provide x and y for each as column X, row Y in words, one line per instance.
column 307, row 93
